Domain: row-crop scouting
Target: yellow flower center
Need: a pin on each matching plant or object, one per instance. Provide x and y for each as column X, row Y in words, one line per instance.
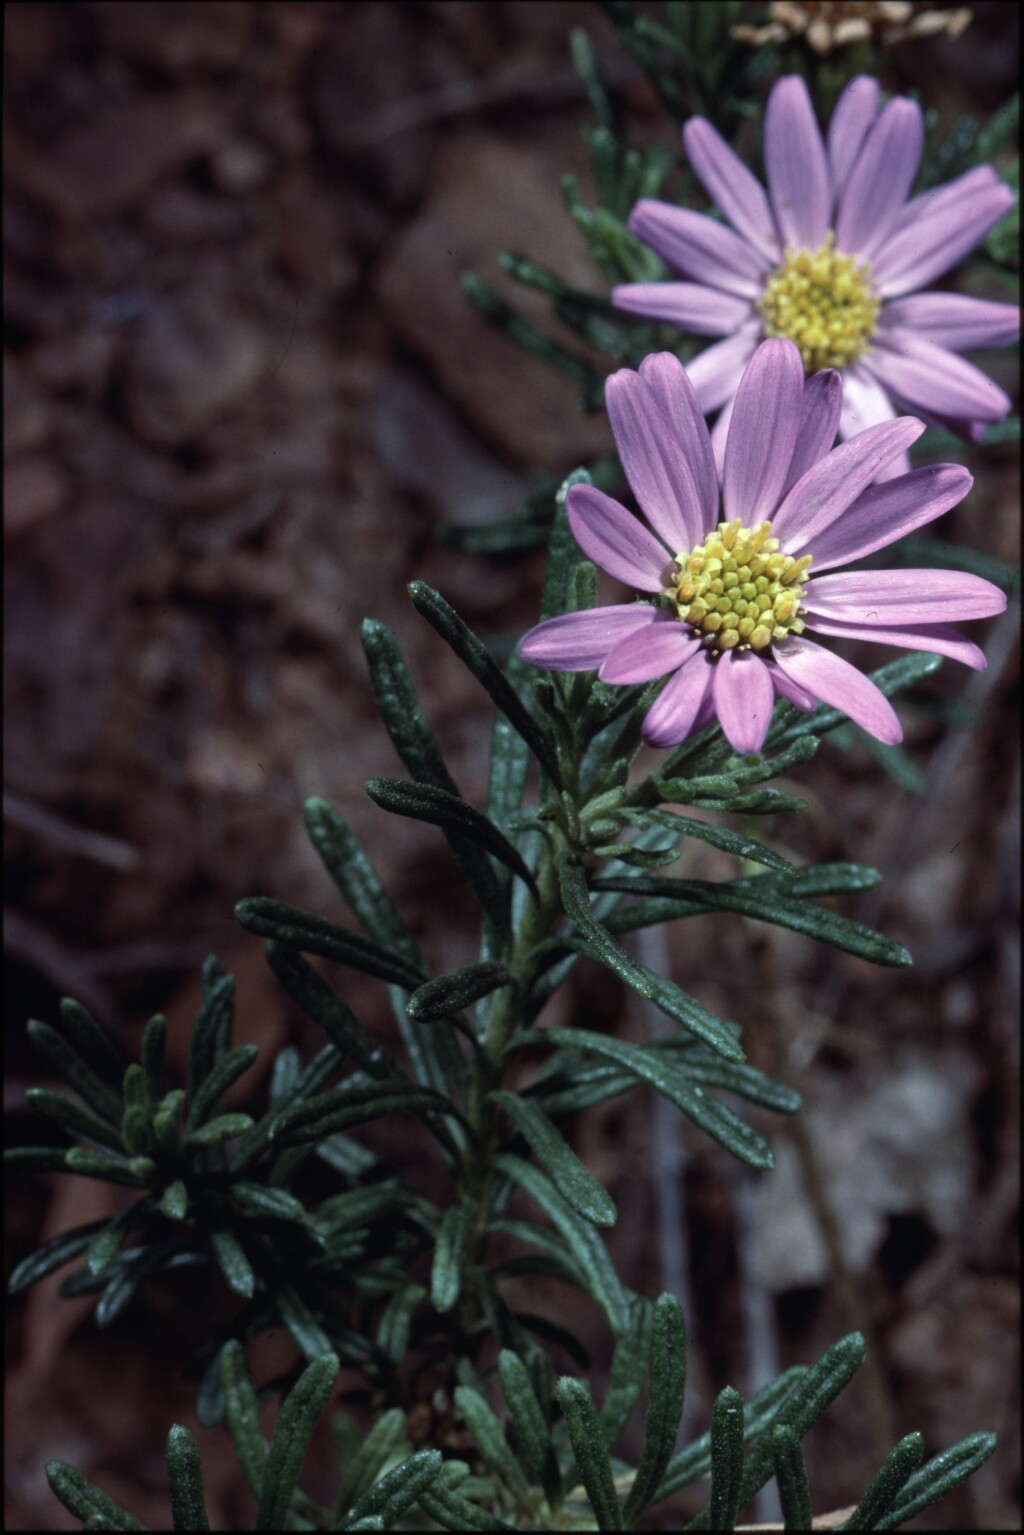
column 823, row 300
column 737, row 591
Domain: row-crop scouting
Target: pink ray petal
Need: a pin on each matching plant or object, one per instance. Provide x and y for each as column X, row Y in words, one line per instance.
column 675, row 711
column 648, row 653
column 765, row 423
column 744, row 699
column 715, row 373
column 798, row 178
column 732, row 186
column 579, row 642
column 953, row 320
column 834, row 681
column 653, row 459
column 866, row 403
column 935, row 379
column 695, row 308
column 720, row 436
column 896, row 597
column 940, row 638
column 784, row 685
column 881, row 178
column 820, row 410
column 940, row 228
column 888, row 511
column 835, row 481
column 670, row 385
column 700, row 247
column 853, row 116
column 616, row 540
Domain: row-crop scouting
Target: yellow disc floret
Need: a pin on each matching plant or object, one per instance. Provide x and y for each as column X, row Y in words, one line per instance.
column 823, row 300
column 737, row 591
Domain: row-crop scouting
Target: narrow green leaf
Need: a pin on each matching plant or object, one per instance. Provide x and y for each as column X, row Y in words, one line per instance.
column 457, row 990
column 313, row 994
column 86, row 1036
column 726, row 1459
column 396, row 1320
column 174, row 1201
column 212, row 1026
column 667, row 1369
column 791, row 1477
column 185, row 1481
column 226, row 1127
column 355, row 877
column 130, row 1272
column 886, row 1486
column 373, row 1454
column 717, row 836
column 52, row 1255
column 937, row 1477
column 697, row 1019
column 106, row 1244
column 354, row 1103
column 803, row 1406
column 233, row 1264
column 312, row 1077
column 34, row 1159
column 450, row 1253
column 748, row 1083
column 532, row 1434
column 311, row 934
column 583, row 1241
column 578, row 1187
column 76, row 1072
column 258, row 1202
column 696, row 1460
column 396, row 1491
column 75, row 1119
column 85, row 1501
column 425, row 802
column 510, row 755
column 474, row 655
column 232, row 1064
column 588, row 1446
column 154, row 1049
column 545, row 1241
column 242, row 1412
column 628, row 1371
column 454, row 1512
column 294, row 1430
column 600, row 943
column 651, row 1066
column 303, row 1325
column 489, row 1436
column 131, row 1171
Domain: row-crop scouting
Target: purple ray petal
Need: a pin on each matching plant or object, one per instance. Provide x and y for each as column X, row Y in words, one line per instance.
column 953, row 320
column 834, row 681
column 578, row 642
column 716, row 372
column 700, row 247
column 798, row 179
column 784, row 685
column 880, row 180
column 765, row 422
column 854, row 113
column 940, row 638
column 835, row 482
column 866, row 403
column 732, row 186
column 934, row 378
column 891, row 597
column 654, row 462
column 937, row 229
column 670, row 385
column 614, row 539
column 650, row 652
column 744, row 699
column 887, row 512
column 700, row 310
column 720, row 436
column 674, row 713
column 820, row 409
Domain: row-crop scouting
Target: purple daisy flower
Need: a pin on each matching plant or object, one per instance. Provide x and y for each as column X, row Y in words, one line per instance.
column 733, row 591
column 832, row 257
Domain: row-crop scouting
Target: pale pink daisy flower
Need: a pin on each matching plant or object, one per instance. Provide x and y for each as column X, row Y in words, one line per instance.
column 834, row 257
column 733, row 587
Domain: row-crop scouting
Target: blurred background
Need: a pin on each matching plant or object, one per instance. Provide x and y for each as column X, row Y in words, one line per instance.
column 242, row 392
